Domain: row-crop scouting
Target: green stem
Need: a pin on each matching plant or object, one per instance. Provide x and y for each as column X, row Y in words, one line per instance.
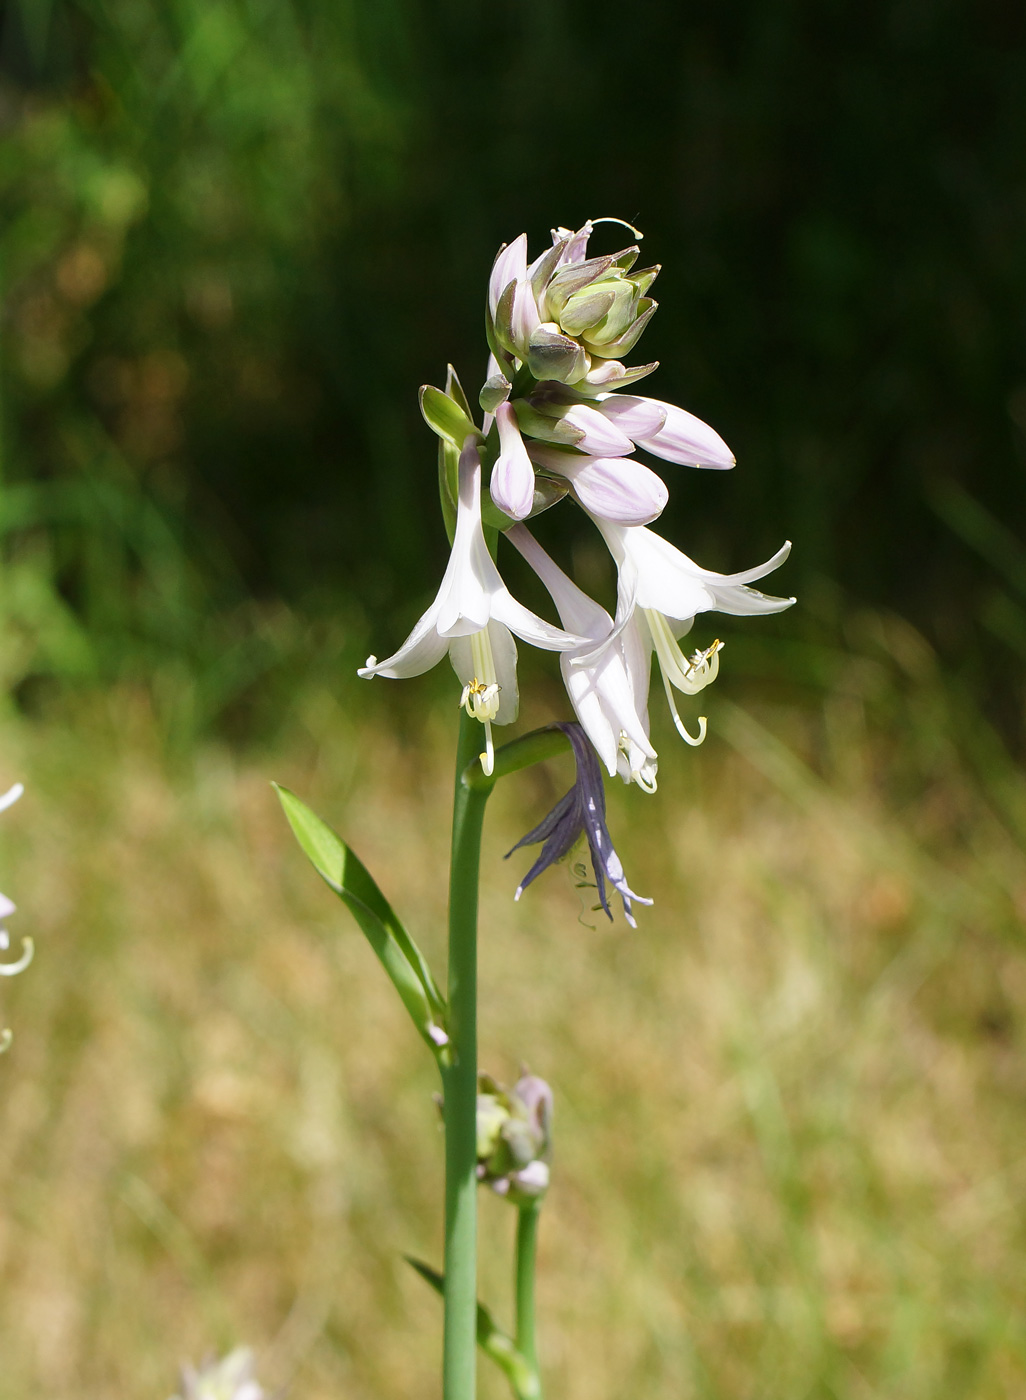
column 527, row 1245
column 459, row 1373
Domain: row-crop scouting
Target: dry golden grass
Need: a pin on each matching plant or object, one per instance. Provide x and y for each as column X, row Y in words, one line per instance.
column 790, row 1108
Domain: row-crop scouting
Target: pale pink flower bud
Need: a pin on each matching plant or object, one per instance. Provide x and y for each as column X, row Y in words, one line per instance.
column 512, row 482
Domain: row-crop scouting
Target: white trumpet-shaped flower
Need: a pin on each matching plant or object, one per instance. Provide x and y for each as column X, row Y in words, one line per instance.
column 472, row 618
column 664, row 590
column 610, row 692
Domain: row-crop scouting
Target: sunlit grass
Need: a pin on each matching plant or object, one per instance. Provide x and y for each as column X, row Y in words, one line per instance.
column 790, row 1108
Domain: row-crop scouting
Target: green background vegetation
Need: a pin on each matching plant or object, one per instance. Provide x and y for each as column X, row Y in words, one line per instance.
column 236, row 236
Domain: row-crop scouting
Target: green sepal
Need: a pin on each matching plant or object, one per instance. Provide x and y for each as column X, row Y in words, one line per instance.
column 446, row 417
column 621, row 314
column 544, row 270
column 629, row 376
column 502, row 356
column 493, row 392
column 544, row 427
column 503, row 324
column 586, row 308
column 552, row 355
column 448, row 484
column 406, row 966
column 626, row 258
column 492, row 1340
column 571, row 279
column 454, row 389
column 613, row 349
column 645, row 277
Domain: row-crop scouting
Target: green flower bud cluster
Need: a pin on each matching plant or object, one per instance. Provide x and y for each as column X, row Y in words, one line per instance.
column 566, row 317
column 514, row 1137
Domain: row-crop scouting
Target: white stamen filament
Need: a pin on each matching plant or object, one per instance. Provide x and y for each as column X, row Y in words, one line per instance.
column 480, row 697
column 11, row 969
column 638, row 775
column 688, row 675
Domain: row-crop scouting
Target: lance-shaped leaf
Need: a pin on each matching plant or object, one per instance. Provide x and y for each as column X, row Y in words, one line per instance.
column 348, row 877
column 492, row 1340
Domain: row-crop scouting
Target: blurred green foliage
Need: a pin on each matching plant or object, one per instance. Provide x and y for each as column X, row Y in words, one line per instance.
column 237, row 236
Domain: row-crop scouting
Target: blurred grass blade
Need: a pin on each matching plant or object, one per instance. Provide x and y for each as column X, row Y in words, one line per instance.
column 492, row 1340
column 977, row 527
column 348, row 877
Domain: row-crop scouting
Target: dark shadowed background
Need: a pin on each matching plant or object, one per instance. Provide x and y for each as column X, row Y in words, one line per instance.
column 238, row 236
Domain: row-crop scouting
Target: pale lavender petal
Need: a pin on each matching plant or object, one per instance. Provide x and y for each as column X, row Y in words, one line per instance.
column 616, row 488
column 512, row 483
column 637, row 417
column 576, row 249
column 577, row 612
column 601, row 438
column 686, row 439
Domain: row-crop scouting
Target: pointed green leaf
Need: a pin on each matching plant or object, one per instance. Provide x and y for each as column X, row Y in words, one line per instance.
column 454, row 389
column 445, row 417
column 348, row 877
column 492, row 1340
column 448, row 484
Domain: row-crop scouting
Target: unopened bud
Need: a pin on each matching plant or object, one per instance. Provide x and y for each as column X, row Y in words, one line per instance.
column 514, row 1137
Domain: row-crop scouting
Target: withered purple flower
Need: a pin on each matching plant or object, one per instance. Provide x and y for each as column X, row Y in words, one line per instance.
column 581, row 811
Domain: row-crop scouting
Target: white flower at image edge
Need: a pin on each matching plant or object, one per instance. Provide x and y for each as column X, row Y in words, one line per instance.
column 7, row 908
column 472, row 618
column 663, row 591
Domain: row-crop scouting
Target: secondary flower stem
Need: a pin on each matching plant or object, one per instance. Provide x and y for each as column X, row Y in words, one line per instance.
column 527, row 1243
column 460, row 1080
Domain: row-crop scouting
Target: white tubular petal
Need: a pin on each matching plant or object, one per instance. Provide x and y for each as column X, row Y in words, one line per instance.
column 11, row 796
column 748, row 602
column 510, row 264
column 464, row 599
column 512, row 483
column 617, row 489
column 581, row 687
column 671, row 583
column 601, row 438
column 504, row 650
column 577, row 612
column 750, row 575
column 532, row 628
column 503, row 660
column 638, row 418
column 686, row 439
